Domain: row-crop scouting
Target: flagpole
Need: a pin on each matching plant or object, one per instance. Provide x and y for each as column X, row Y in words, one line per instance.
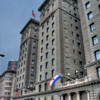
column 66, row 76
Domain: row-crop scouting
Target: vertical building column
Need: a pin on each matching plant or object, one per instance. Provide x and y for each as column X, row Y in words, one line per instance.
column 69, row 96
column 61, row 97
column 78, row 95
column 88, row 95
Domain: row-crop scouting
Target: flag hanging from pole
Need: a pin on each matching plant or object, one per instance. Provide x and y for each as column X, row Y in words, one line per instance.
column 18, row 92
column 33, row 14
column 53, row 80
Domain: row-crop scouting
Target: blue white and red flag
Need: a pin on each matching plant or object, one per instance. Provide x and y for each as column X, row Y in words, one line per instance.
column 53, row 80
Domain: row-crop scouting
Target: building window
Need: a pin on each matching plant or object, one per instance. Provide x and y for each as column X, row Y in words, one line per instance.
column 46, row 88
column 99, row 6
column 90, row 15
column 47, row 37
column 40, row 77
column 77, row 35
column 53, row 72
column 42, row 33
column 34, row 43
column 34, row 48
column 78, row 45
column 95, row 40
column 40, row 88
column 92, row 27
column 53, row 41
column 87, row 5
column 41, row 58
column 48, row 29
column 46, row 75
column 33, row 55
column 97, row 55
column 53, row 25
column 42, row 26
column 41, row 41
column 32, row 69
column 47, row 22
column 53, row 62
column 41, row 68
column 46, row 65
column 41, row 49
column 47, row 46
column 80, row 63
column 47, row 10
column 47, row 55
column 31, row 84
column 53, row 51
column 32, row 77
column 53, row 33
column 79, row 53
column 52, row 17
column 98, row 70
column 33, row 62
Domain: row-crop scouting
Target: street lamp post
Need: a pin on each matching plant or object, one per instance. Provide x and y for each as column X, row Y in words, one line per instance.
column 1, row 55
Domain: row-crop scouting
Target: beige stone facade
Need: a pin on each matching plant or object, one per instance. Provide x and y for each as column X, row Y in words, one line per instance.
column 26, row 71
column 60, row 48
column 90, row 16
column 7, row 85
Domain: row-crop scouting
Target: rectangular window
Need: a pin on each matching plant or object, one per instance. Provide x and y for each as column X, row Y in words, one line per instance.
column 87, row 5
column 47, row 46
column 53, row 33
column 33, row 62
column 97, row 55
column 53, row 51
column 99, row 6
column 47, row 55
column 41, row 68
column 53, row 25
column 95, row 40
column 98, row 70
column 90, row 15
column 53, row 62
column 53, row 72
column 46, row 65
column 40, row 77
column 48, row 29
column 46, row 75
column 92, row 27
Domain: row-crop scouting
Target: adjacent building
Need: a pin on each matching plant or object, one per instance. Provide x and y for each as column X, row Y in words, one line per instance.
column 7, row 85
column 26, row 71
column 90, row 21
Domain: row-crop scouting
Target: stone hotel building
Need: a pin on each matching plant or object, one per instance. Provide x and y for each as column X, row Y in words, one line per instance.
column 67, row 42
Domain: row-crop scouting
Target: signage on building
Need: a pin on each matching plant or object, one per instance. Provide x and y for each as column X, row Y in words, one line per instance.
column 12, row 65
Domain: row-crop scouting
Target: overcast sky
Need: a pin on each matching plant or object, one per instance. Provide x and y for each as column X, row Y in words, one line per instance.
column 14, row 14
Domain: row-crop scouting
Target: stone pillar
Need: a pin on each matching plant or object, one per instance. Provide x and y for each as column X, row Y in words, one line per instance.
column 78, row 95
column 69, row 96
column 88, row 95
column 61, row 97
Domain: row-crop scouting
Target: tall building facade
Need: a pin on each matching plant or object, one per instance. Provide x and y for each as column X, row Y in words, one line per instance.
column 90, row 15
column 7, row 85
column 26, row 71
column 61, row 51
column 60, row 48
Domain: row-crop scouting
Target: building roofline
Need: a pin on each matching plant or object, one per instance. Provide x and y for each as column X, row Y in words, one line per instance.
column 30, row 21
column 7, row 71
column 43, row 4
